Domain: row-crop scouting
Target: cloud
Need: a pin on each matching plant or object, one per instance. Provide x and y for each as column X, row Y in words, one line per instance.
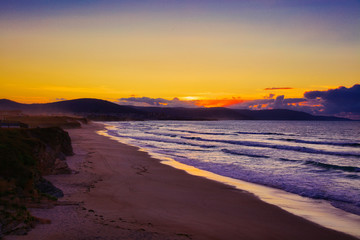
column 279, row 101
column 155, row 102
column 270, row 103
column 339, row 101
column 176, row 102
column 254, row 104
column 60, row 99
column 342, row 101
column 271, row 95
column 279, row 88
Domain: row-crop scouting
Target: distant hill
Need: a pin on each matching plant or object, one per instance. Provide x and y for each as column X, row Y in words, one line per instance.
column 104, row 110
column 82, row 107
column 230, row 114
column 6, row 104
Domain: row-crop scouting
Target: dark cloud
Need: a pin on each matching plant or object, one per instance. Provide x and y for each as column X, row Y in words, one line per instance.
column 271, row 95
column 254, row 104
column 270, row 103
column 293, row 100
column 155, row 102
column 279, row 88
column 279, row 101
column 60, row 99
column 341, row 100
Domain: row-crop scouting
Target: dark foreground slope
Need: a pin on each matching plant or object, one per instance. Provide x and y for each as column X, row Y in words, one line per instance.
column 104, row 110
column 25, row 156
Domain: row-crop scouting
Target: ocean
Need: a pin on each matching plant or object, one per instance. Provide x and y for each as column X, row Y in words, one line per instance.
column 318, row 160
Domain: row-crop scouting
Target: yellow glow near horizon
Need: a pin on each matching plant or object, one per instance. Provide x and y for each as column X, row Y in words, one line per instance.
column 111, row 56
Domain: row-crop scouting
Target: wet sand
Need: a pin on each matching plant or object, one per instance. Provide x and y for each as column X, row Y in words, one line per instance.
column 118, row 192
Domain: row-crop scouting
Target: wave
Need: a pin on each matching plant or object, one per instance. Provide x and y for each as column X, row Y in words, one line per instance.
column 325, row 166
column 344, row 144
column 277, row 181
column 332, row 166
column 281, row 147
column 243, row 154
column 203, row 133
column 264, row 133
column 352, row 176
column 288, row 160
column 162, row 134
column 174, row 141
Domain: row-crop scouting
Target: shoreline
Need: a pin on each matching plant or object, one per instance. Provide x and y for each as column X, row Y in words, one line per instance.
column 119, row 192
column 315, row 210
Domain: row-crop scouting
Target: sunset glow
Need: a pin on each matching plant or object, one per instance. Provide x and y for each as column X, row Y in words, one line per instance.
column 212, row 52
column 218, row 102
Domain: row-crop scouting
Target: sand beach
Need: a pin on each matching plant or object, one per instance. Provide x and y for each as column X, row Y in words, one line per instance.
column 119, row 192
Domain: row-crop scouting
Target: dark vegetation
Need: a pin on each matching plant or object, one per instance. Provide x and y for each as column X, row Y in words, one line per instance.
column 25, row 156
column 33, row 121
column 97, row 109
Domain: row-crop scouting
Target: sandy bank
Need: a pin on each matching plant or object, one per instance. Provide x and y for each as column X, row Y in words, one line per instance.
column 118, row 192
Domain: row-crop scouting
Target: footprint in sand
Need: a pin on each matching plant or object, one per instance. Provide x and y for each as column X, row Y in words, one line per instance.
column 140, row 169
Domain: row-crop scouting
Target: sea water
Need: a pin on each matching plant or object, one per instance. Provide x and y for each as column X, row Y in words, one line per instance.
column 313, row 159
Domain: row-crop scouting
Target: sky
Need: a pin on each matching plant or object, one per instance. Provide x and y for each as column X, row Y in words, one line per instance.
column 181, row 52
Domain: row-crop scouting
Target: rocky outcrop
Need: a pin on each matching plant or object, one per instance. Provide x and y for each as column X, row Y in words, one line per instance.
column 25, row 156
column 55, row 145
column 47, row 187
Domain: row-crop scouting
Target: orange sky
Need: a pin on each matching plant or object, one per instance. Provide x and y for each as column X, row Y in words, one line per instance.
column 214, row 56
